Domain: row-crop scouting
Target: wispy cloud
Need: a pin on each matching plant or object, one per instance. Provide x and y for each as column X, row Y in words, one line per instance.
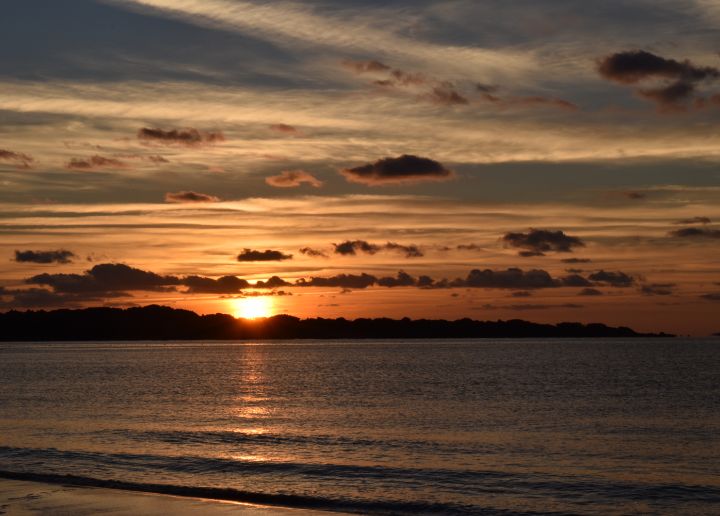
column 291, row 24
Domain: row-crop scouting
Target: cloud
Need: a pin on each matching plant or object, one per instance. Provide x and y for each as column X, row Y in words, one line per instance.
column 521, row 293
column 576, row 260
column 575, row 280
column 189, row 196
column 59, row 256
column 18, row 158
column 490, row 94
column 284, row 128
column 635, row 196
column 410, row 251
column 402, row 170
column 106, row 277
column 370, row 66
column 701, row 233
column 447, row 95
column 272, row 282
column 352, row 247
column 222, row 285
column 468, row 247
column 189, row 137
column 711, row 296
column 94, row 163
column 351, row 281
column 509, row 279
column 590, row 292
column 638, row 66
column 269, row 255
column 539, row 241
column 540, row 306
column 314, row 253
column 657, row 289
column 615, row 279
column 292, row 179
column 693, row 220
column 40, row 297
column 401, row 280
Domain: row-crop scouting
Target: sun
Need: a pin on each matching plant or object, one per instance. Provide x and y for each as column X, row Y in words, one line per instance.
column 253, row 307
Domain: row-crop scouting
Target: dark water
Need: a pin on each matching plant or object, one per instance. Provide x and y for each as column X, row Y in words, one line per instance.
column 378, row 427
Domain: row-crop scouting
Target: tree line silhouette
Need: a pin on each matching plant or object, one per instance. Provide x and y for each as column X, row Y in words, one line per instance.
column 164, row 323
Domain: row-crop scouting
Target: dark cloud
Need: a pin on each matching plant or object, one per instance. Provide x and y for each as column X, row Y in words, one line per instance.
column 112, row 280
column 590, row 292
column 490, row 94
column 314, row 253
column 701, row 233
column 284, row 128
column 401, row 280
column 365, row 66
column 352, row 247
column 59, row 256
column 509, row 279
column 711, row 296
column 272, row 282
column 575, row 280
column 635, row 196
column 404, row 78
column 576, row 260
column 222, row 285
column 40, row 298
column 522, row 293
column 189, row 137
column 410, row 251
column 469, row 247
column 540, row 306
column 351, row 281
column 615, row 279
column 106, row 277
column 693, row 220
column 269, row 255
column 94, row 163
column 292, row 179
column 404, row 169
column 657, row 289
column 17, row 158
column 446, row 94
column 637, row 66
column 539, row 241
column 189, row 196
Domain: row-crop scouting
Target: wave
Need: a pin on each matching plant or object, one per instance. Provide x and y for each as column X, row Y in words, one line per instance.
column 229, row 437
column 470, row 485
column 283, row 500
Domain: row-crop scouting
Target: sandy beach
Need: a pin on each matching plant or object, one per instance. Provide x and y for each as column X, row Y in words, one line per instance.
column 21, row 498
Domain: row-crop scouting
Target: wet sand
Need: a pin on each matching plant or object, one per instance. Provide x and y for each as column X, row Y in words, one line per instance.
column 21, row 498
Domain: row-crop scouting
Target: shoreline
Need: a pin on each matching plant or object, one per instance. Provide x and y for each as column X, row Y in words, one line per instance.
column 24, row 494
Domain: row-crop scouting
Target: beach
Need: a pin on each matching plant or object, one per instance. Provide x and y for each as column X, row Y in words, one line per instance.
column 21, row 498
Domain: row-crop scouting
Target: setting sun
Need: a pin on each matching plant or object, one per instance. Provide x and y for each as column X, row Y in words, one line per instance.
column 252, row 307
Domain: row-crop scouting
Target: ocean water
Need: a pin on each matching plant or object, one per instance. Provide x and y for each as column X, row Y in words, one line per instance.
column 377, row 427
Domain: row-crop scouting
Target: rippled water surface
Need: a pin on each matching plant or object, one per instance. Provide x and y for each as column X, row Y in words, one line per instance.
column 376, row 427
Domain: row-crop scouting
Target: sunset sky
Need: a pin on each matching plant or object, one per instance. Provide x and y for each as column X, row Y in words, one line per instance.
column 547, row 160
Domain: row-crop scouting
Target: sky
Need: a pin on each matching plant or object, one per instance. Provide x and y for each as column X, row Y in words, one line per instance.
column 547, row 160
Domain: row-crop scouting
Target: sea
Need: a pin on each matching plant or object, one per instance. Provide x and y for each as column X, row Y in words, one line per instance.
column 452, row 427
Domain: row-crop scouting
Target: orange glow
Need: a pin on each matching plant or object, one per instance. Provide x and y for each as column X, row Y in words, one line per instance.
column 253, row 307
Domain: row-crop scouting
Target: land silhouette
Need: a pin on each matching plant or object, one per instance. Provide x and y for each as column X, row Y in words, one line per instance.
column 155, row 322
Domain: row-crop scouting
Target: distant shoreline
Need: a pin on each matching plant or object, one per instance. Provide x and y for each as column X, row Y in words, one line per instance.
column 155, row 322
